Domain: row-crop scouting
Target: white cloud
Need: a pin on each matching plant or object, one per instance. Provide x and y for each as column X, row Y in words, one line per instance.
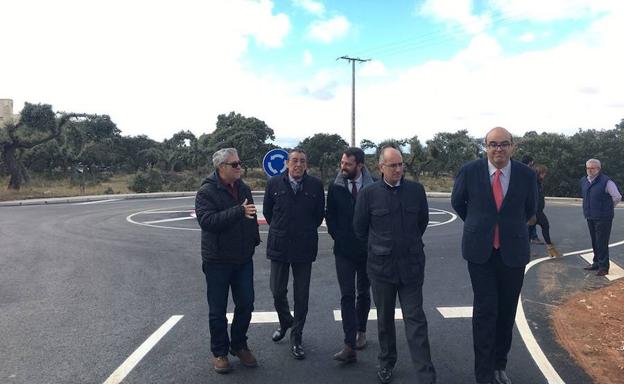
column 574, row 85
column 527, row 37
column 550, row 10
column 327, row 31
column 307, row 58
column 163, row 68
column 457, row 12
column 153, row 66
column 374, row 68
column 314, row 7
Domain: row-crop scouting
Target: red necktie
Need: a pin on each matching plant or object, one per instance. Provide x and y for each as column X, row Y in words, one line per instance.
column 497, row 189
column 353, row 189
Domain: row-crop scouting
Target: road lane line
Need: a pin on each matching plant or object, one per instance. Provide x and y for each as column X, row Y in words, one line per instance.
column 615, row 271
column 170, row 220
column 372, row 315
column 259, row 317
column 132, row 360
column 551, row 375
column 455, row 312
column 96, row 202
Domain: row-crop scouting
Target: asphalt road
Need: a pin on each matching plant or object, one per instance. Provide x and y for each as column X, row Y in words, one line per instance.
column 82, row 286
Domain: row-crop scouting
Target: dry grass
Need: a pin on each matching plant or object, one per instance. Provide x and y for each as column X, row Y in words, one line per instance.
column 42, row 188
column 437, row 184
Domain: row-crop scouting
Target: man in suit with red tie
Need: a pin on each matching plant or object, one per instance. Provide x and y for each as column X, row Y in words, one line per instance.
column 496, row 198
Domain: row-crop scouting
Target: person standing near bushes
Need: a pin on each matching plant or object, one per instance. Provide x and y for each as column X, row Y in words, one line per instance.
column 600, row 196
column 541, row 218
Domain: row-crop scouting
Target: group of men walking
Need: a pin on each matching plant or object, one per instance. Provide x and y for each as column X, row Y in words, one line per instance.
column 377, row 228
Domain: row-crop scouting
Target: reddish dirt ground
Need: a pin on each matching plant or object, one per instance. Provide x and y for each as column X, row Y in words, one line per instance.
column 590, row 326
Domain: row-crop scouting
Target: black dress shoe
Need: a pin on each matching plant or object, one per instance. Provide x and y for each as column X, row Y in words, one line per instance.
column 279, row 334
column 297, row 351
column 500, row 377
column 602, row 272
column 591, row 268
column 384, row 375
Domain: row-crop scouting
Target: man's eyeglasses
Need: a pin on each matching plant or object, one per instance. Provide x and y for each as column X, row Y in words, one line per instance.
column 234, row 164
column 394, row 165
column 494, row 145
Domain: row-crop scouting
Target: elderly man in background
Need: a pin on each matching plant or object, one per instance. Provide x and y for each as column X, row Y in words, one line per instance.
column 229, row 234
column 600, row 196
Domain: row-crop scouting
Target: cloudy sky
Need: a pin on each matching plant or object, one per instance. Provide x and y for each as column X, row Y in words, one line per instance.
column 158, row 67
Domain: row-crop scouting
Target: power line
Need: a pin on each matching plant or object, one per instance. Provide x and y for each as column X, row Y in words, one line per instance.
column 353, row 60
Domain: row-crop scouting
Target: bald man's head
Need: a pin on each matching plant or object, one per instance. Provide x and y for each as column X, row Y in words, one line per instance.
column 499, row 144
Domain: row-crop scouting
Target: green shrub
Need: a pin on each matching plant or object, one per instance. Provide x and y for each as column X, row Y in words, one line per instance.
column 150, row 181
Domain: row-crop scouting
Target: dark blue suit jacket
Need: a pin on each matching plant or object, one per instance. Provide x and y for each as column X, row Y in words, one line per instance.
column 473, row 200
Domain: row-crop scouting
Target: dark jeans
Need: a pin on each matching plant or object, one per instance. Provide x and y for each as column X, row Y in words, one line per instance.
column 411, row 300
column 354, row 313
column 496, row 289
column 220, row 277
column 532, row 232
column 542, row 221
column 600, row 231
column 301, row 293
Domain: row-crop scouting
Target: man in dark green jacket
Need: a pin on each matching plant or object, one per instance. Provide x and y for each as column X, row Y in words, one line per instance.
column 227, row 216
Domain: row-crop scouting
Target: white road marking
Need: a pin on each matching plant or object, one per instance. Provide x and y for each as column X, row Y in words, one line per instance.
column 455, row 312
column 615, row 271
column 551, row 375
column 372, row 315
column 436, row 211
column 170, row 220
column 128, row 365
column 259, row 317
column 96, row 202
column 261, row 219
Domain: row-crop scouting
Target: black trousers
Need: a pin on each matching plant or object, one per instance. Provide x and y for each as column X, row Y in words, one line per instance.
column 354, row 309
column 301, row 292
column 496, row 289
column 542, row 221
column 600, row 231
column 411, row 300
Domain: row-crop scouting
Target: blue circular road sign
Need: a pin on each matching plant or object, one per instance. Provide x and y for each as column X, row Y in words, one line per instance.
column 274, row 161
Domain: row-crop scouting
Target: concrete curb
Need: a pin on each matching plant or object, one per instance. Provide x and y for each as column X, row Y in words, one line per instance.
column 155, row 195
column 84, row 199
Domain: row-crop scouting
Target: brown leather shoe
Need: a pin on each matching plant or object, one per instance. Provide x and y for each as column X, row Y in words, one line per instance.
column 246, row 357
column 221, row 364
column 360, row 340
column 346, row 355
column 602, row 272
column 552, row 251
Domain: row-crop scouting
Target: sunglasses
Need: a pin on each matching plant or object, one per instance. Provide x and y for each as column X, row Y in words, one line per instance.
column 234, row 164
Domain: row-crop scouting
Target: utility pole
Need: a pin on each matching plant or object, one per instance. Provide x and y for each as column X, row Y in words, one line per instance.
column 352, row 60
